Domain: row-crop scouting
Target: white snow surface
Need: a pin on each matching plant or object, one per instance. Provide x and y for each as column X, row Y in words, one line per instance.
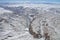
column 15, row 27
column 2, row 10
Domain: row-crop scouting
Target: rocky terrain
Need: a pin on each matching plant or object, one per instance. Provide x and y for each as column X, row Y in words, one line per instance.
column 30, row 22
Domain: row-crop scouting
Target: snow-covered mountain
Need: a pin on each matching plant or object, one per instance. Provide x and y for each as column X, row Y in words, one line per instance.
column 15, row 21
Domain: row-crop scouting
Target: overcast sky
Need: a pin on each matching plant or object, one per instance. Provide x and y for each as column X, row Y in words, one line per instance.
column 29, row 1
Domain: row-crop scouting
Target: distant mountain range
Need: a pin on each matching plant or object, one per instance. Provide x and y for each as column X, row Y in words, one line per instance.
column 31, row 3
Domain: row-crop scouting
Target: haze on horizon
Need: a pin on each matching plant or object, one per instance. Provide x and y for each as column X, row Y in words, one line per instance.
column 30, row 1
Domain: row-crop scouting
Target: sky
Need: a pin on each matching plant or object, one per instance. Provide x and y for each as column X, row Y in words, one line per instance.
column 30, row 1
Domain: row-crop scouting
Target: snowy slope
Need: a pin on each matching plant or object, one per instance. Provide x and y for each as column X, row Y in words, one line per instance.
column 2, row 10
column 15, row 21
